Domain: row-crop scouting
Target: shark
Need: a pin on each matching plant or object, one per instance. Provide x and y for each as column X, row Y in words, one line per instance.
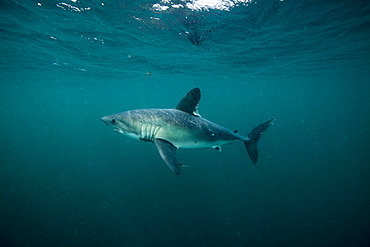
column 181, row 127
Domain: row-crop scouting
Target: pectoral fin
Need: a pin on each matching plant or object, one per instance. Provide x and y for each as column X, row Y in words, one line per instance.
column 168, row 154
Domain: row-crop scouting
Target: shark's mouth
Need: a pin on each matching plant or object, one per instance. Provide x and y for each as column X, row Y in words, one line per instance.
column 119, row 130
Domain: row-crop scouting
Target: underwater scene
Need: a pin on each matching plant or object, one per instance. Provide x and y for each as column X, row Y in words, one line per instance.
column 208, row 78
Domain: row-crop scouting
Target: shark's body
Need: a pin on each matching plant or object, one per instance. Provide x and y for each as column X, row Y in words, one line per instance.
column 181, row 127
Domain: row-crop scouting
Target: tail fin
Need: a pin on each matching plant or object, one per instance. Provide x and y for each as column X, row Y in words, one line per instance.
column 254, row 136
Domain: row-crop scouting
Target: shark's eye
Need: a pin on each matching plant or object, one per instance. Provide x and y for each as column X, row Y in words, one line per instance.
column 113, row 121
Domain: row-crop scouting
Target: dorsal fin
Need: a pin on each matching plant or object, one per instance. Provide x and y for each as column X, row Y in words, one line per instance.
column 190, row 102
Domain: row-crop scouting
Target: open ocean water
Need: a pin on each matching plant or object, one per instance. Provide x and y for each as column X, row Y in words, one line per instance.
column 66, row 179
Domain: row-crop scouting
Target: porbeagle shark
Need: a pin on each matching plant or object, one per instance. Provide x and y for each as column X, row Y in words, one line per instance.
column 181, row 127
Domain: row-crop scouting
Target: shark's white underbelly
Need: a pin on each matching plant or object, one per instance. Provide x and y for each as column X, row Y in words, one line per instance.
column 181, row 138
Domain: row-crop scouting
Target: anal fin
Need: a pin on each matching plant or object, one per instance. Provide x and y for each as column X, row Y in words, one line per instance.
column 168, row 154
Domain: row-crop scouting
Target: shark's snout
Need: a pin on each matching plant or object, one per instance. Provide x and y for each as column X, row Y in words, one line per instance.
column 106, row 120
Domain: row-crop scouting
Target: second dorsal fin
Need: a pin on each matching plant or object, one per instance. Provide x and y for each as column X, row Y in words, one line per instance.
column 190, row 102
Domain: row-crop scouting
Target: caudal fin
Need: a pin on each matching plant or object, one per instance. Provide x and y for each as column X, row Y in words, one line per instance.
column 253, row 137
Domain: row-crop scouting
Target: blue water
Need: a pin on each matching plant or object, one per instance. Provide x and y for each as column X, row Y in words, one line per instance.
column 66, row 179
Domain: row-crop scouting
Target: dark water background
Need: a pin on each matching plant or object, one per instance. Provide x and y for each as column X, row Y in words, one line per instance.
column 66, row 179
